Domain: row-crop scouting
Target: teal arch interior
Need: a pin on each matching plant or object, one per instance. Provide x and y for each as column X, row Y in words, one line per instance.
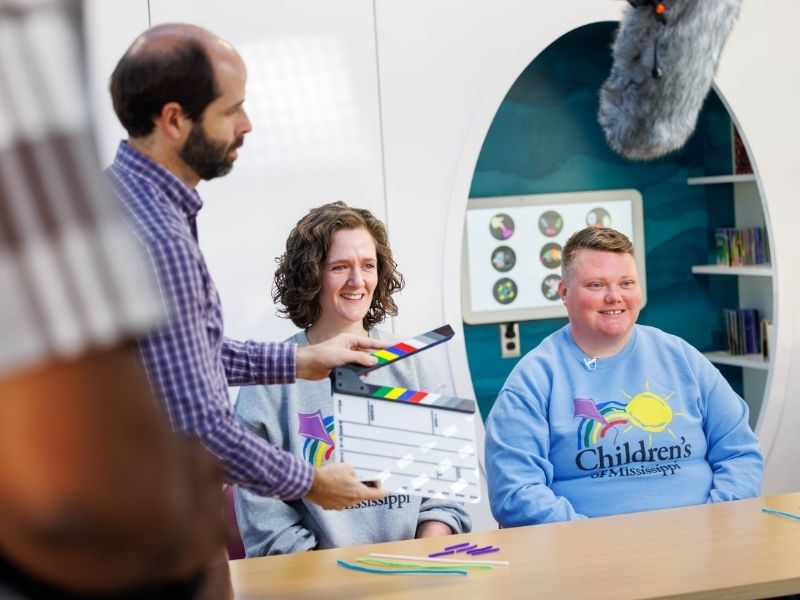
column 545, row 138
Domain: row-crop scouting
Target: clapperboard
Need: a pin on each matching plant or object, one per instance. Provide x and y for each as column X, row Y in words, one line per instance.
column 411, row 441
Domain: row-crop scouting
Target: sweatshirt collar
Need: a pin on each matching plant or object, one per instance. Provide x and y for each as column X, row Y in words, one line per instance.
column 591, row 363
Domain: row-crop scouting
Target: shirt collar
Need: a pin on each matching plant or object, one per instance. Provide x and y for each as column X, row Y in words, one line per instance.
column 186, row 198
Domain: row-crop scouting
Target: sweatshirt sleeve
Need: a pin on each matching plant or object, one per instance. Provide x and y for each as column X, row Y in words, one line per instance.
column 733, row 449
column 446, row 511
column 267, row 525
column 518, row 471
column 270, row 526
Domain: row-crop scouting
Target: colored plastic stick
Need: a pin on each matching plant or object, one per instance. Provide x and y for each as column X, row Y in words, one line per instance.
column 468, row 548
column 444, row 553
column 456, row 546
column 479, row 549
column 348, row 565
column 484, row 551
column 781, row 513
column 392, row 563
column 442, row 560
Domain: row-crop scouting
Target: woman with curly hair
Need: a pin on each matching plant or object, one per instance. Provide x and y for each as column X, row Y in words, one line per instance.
column 337, row 275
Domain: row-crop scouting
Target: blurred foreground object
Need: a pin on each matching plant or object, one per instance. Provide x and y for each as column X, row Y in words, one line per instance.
column 96, row 495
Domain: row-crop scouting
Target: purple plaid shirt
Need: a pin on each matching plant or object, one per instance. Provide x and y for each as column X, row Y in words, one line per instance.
column 190, row 362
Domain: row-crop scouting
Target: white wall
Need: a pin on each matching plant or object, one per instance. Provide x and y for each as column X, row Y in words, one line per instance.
column 338, row 90
column 758, row 80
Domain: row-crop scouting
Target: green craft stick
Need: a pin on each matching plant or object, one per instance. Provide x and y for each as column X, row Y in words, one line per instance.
column 348, row 565
column 391, row 563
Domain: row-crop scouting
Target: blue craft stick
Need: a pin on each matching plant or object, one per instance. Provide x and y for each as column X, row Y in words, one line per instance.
column 443, row 553
column 456, row 546
column 484, row 551
column 348, row 565
column 782, row 513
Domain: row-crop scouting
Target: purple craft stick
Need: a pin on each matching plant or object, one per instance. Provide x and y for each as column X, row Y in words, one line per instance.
column 468, row 548
column 479, row 549
column 457, row 546
column 444, row 553
column 484, row 551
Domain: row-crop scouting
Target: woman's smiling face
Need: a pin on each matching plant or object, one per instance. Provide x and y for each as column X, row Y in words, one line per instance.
column 349, row 277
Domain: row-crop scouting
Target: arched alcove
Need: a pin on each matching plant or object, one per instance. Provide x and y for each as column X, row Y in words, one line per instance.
column 735, row 84
column 545, row 139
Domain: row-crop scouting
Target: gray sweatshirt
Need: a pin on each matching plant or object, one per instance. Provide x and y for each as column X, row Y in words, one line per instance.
column 271, row 526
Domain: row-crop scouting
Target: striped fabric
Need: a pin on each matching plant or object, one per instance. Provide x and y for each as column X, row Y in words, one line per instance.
column 71, row 274
column 190, row 362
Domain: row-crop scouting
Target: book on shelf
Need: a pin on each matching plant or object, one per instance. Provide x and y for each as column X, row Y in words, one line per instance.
column 767, row 340
column 741, row 161
column 743, row 331
column 722, row 247
column 741, row 247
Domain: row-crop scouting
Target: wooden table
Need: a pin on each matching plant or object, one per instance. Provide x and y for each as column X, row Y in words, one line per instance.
column 728, row 550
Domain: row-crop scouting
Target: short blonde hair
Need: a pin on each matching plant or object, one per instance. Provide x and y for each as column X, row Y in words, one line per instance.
column 593, row 238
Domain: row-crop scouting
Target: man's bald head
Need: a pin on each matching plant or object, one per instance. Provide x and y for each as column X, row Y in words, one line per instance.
column 173, row 62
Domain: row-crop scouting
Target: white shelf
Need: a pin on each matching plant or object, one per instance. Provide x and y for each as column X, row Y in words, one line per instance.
column 748, row 361
column 720, row 179
column 754, row 270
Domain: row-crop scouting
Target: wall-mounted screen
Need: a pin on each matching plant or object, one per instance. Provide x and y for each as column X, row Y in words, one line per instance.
column 512, row 249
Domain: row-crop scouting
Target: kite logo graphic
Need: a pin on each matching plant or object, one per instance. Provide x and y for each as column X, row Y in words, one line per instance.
column 646, row 411
column 319, row 435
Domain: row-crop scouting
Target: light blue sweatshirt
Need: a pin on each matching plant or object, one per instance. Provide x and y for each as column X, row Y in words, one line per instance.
column 654, row 426
column 285, row 415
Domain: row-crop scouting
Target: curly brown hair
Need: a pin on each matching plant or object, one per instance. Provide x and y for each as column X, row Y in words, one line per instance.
column 298, row 278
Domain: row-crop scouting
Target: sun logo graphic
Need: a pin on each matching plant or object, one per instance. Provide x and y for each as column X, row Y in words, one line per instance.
column 318, row 431
column 646, row 411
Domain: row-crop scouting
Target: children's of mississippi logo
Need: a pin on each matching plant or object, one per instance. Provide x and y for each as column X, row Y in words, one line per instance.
column 646, row 411
column 318, row 431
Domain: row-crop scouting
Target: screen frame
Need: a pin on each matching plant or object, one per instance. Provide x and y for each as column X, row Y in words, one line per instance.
column 507, row 315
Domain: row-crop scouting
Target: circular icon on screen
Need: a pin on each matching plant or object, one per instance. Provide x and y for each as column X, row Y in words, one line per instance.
column 505, row 290
column 503, row 258
column 501, row 226
column 550, row 255
column 598, row 217
column 550, row 223
column 550, row 287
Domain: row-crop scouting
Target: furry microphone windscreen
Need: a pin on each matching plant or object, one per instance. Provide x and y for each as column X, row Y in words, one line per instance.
column 664, row 61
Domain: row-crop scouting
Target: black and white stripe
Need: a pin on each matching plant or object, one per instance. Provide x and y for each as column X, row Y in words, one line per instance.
column 71, row 273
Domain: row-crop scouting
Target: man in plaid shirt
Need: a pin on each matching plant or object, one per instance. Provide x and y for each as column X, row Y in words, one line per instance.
column 179, row 91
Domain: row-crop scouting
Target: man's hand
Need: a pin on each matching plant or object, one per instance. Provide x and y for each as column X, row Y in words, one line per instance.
column 316, row 362
column 336, row 486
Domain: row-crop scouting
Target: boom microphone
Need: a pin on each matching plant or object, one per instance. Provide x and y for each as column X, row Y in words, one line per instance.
column 665, row 56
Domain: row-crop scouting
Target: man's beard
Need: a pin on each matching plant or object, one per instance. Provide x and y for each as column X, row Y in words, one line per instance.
column 208, row 158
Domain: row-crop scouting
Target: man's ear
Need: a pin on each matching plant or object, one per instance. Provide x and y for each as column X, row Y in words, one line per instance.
column 173, row 121
column 562, row 291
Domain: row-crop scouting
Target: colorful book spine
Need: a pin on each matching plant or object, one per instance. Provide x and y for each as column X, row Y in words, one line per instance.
column 743, row 331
